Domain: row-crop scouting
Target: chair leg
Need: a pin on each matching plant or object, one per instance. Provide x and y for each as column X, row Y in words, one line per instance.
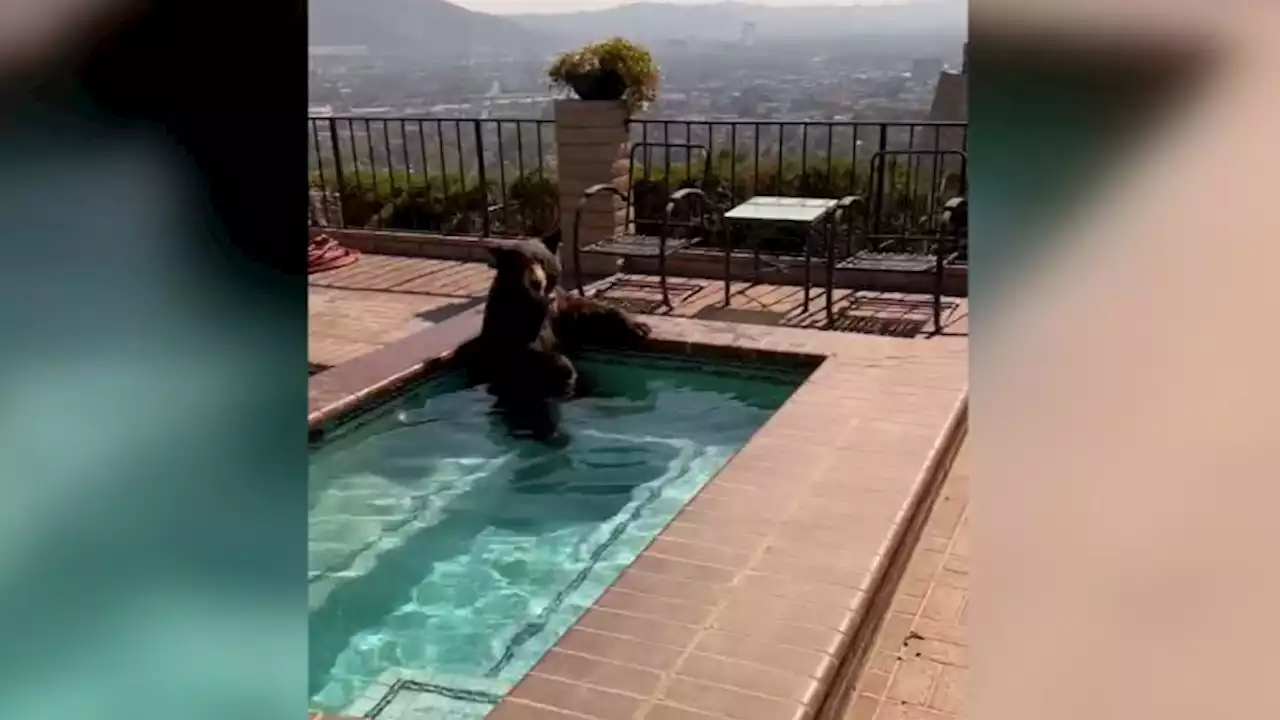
column 662, row 280
column 939, row 273
column 808, row 247
column 728, row 262
column 577, row 254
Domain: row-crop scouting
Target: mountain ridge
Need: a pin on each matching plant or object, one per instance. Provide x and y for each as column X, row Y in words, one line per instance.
column 649, row 21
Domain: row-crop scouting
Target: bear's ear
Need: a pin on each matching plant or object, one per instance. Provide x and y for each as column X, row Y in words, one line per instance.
column 551, row 241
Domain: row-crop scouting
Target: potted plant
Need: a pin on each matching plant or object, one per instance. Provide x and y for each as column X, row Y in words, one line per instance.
column 616, row 69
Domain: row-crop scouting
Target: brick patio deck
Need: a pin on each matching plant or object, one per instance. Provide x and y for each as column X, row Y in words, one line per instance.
column 749, row 603
column 384, row 298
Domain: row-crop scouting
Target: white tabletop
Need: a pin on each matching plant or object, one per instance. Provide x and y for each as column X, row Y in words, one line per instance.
column 782, row 209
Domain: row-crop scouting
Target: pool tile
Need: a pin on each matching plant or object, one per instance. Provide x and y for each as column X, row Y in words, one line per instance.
column 683, row 569
column 576, row 698
column 749, row 677
column 816, row 591
column 797, row 661
column 742, row 537
column 729, row 702
column 706, row 554
column 638, row 628
column 663, row 711
column 854, row 576
column 755, row 511
column 798, row 612
column 620, row 649
column 804, row 637
column 597, row 672
column 664, row 586
column 512, row 709
column 655, row 607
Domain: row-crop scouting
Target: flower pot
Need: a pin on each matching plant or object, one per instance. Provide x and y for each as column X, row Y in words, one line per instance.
column 598, row 85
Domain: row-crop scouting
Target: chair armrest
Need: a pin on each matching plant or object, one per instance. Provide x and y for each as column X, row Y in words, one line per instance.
column 955, row 213
column 851, row 203
column 684, row 193
column 601, row 188
column 708, row 207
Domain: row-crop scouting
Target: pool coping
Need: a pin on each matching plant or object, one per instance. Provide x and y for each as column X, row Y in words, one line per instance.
column 730, row 579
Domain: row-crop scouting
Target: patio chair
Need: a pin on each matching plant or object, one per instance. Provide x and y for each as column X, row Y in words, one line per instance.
column 941, row 241
column 685, row 217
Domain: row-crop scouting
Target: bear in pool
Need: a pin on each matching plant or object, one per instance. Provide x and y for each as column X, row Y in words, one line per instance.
column 531, row 329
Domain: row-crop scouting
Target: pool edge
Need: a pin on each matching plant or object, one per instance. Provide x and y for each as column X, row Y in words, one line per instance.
column 839, row 687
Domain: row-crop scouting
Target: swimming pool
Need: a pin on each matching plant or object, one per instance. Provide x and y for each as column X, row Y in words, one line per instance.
column 445, row 551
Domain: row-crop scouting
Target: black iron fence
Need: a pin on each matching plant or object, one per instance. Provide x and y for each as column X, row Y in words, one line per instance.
column 486, row 177
column 496, row 177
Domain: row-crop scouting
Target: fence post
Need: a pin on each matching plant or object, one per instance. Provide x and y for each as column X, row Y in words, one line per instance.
column 337, row 167
column 482, row 177
column 337, row 156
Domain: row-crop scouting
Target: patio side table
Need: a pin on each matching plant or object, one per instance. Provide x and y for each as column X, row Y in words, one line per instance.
column 766, row 211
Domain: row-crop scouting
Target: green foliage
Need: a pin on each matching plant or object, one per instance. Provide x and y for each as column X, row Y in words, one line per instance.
column 633, row 63
column 404, row 201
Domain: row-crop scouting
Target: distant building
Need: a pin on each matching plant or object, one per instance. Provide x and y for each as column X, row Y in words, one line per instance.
column 950, row 103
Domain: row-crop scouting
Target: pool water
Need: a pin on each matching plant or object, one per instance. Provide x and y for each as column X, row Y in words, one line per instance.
column 445, row 551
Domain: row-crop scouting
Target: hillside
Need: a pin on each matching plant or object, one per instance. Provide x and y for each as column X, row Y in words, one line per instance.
column 653, row 21
column 430, row 28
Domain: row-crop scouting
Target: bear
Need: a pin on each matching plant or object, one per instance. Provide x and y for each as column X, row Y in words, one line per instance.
column 531, row 328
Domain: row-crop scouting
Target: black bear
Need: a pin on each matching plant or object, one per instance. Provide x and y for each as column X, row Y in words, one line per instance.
column 531, row 327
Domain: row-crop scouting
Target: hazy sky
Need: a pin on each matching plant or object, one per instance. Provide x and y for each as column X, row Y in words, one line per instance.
column 547, row 6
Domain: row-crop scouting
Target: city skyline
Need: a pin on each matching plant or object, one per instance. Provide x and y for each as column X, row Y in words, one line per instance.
column 515, row 7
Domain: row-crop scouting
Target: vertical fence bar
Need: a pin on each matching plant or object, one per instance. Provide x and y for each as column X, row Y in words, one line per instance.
column 391, row 163
column 644, row 139
column 688, row 154
column 804, row 157
column 444, row 167
column 782, row 136
column 708, row 169
column 426, row 172
column 482, row 181
column 878, row 171
column 324, row 186
column 404, row 148
column 462, row 163
column 337, row 159
column 541, row 173
column 733, row 164
column 502, row 180
column 831, row 185
column 373, row 161
column 520, row 149
column 755, row 172
column 355, row 155
column 913, row 165
column 666, row 155
column 853, row 161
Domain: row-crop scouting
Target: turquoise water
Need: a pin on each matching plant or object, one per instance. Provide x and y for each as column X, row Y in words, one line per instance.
column 447, row 552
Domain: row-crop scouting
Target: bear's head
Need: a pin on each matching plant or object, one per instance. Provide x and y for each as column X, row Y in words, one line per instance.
column 528, row 267
column 522, row 296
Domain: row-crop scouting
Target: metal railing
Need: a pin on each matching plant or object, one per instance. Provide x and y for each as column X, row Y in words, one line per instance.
column 487, row 177
column 496, row 177
column 826, row 159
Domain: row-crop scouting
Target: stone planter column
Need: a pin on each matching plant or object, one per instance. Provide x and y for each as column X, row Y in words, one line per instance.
column 592, row 147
